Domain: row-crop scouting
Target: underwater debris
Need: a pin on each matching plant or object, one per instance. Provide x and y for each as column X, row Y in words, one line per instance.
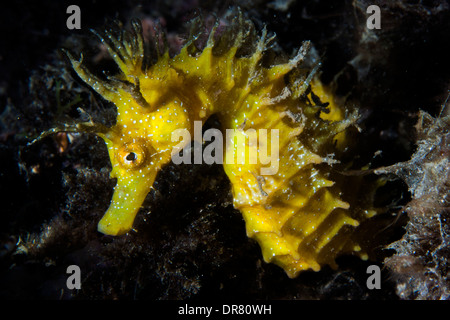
column 420, row 263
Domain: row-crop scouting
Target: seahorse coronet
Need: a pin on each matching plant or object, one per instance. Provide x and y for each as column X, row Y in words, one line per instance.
column 296, row 213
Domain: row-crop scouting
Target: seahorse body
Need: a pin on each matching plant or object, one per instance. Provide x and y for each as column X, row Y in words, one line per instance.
column 295, row 214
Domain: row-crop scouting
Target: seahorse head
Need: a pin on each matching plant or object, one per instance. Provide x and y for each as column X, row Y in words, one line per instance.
column 149, row 108
column 139, row 144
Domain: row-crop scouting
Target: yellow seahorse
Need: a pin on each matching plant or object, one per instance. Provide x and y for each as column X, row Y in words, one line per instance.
column 295, row 213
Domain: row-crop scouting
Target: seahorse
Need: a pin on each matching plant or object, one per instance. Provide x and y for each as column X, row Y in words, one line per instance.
column 295, row 213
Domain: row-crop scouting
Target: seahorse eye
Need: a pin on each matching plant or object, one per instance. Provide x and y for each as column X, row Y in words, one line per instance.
column 132, row 155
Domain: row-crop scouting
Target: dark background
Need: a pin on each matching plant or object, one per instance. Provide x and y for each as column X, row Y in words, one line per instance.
column 191, row 243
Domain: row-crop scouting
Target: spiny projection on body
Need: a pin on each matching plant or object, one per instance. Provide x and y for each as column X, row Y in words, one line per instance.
column 296, row 214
